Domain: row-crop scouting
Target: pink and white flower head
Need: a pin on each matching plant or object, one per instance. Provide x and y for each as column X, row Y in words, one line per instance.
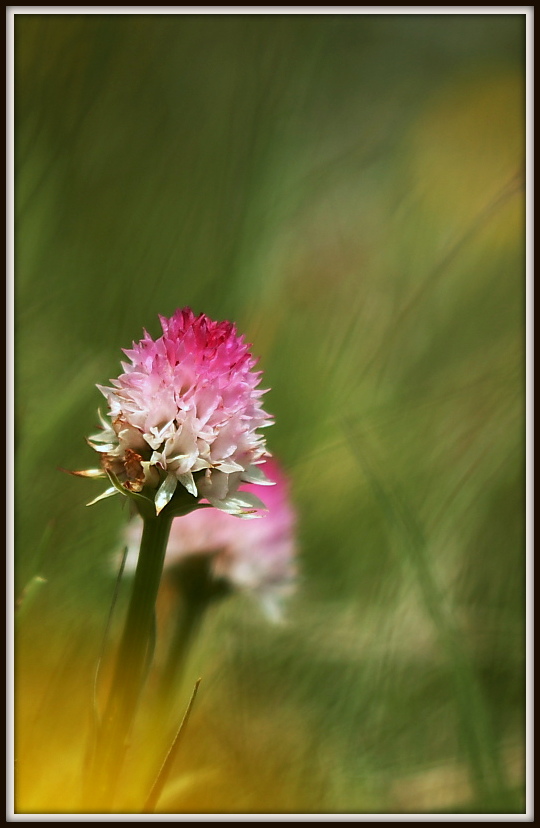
column 187, row 404
column 256, row 556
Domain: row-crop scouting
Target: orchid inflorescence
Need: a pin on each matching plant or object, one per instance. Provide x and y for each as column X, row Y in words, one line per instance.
column 185, row 412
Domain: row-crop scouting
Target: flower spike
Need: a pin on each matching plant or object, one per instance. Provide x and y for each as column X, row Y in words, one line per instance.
column 184, row 417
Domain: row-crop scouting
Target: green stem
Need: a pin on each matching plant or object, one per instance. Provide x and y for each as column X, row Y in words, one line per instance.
column 197, row 588
column 188, row 621
column 131, row 663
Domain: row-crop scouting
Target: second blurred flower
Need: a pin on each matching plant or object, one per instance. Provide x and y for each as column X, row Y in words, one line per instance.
column 257, row 557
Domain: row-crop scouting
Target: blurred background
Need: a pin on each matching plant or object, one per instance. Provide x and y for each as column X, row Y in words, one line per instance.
column 349, row 190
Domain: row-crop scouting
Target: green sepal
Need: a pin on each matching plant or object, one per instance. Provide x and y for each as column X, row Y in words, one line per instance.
column 181, row 503
column 145, row 505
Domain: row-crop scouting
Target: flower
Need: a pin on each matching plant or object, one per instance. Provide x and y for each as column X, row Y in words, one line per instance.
column 186, row 411
column 257, row 557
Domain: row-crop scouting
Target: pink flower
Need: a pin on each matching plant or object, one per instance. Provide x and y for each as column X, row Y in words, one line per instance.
column 187, row 411
column 256, row 556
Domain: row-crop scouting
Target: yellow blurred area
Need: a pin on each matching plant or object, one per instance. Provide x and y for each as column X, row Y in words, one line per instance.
column 467, row 156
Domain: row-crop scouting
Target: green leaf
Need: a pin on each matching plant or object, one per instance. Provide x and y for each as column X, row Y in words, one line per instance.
column 107, row 493
column 144, row 504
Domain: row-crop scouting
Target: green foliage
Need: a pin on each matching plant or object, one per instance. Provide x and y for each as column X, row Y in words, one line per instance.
column 346, row 189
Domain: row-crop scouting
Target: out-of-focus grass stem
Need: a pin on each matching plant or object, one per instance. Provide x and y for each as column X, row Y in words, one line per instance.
column 157, row 788
column 479, row 739
column 26, row 599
